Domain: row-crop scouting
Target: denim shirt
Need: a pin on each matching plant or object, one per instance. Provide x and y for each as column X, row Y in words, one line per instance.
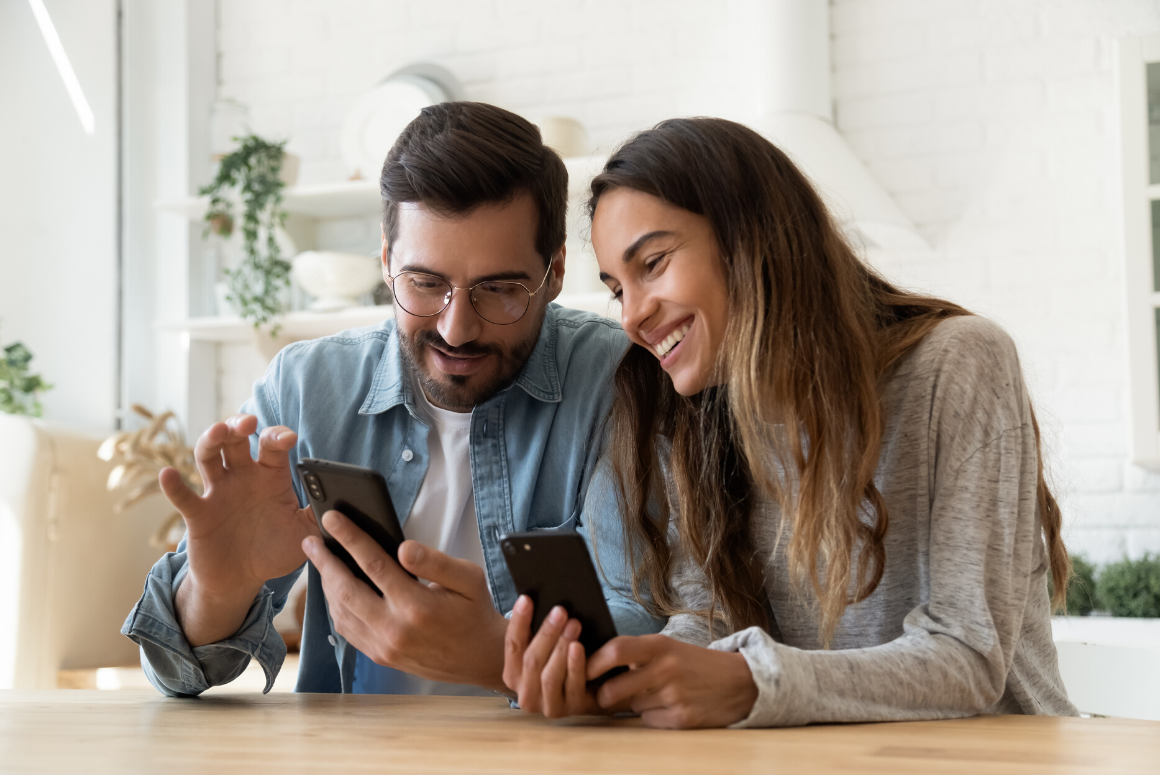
column 535, row 465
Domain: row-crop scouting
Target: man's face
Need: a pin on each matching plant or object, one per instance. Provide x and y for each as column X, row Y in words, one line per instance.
column 461, row 359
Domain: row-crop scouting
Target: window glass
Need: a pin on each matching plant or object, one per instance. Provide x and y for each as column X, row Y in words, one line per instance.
column 1154, row 123
column 1156, row 246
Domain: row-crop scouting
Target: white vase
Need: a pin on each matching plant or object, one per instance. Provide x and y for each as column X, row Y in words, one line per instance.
column 335, row 280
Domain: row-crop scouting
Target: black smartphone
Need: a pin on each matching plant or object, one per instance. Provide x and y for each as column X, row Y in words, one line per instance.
column 555, row 569
column 360, row 494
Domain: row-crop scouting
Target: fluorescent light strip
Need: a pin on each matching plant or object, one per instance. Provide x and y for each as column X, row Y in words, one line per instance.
column 52, row 40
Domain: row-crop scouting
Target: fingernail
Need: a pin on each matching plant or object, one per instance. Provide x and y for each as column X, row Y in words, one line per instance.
column 572, row 631
column 331, row 520
column 557, row 615
column 308, row 546
column 522, row 604
column 414, row 552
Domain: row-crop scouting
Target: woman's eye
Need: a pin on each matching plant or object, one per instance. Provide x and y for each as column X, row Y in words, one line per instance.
column 654, row 263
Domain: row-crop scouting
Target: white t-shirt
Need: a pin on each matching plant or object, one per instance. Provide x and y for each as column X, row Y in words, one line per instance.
column 443, row 516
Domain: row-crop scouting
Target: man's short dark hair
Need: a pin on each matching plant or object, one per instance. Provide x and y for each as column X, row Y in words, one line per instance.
column 456, row 156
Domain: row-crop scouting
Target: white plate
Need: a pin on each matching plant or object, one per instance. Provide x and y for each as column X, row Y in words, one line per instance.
column 374, row 123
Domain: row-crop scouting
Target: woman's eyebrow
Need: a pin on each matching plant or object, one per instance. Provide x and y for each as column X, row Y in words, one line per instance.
column 631, row 251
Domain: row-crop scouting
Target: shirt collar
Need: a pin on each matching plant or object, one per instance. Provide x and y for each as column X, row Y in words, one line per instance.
column 391, row 386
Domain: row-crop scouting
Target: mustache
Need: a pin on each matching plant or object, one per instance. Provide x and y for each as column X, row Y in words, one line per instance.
column 465, row 350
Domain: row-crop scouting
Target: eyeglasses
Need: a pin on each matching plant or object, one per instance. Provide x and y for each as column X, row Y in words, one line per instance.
column 496, row 301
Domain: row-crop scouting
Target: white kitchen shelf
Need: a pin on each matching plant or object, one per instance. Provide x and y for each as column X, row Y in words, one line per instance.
column 353, row 198
column 346, row 199
column 311, row 325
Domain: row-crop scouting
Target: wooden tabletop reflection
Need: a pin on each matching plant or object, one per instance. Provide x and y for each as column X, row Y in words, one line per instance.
column 126, row 731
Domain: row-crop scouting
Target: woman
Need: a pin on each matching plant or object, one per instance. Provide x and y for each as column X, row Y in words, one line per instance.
column 854, row 524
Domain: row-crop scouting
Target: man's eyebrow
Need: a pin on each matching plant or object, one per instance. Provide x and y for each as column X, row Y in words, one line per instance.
column 494, row 277
column 631, row 251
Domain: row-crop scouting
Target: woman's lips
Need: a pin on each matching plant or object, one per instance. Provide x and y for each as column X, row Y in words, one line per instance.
column 459, row 365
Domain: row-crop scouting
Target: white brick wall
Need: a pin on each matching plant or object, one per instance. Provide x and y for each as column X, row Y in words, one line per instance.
column 992, row 122
column 995, row 125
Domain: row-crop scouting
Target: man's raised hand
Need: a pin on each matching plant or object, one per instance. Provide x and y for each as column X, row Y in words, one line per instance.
column 245, row 529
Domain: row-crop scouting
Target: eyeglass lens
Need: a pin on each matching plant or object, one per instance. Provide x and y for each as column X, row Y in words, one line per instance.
column 426, row 295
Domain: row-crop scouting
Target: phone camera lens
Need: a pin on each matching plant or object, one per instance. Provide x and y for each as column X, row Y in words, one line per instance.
column 509, row 549
column 527, row 547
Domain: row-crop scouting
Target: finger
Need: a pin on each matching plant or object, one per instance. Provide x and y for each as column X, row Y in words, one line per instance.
column 340, row 585
column 621, row 651
column 515, row 642
column 183, row 499
column 208, row 453
column 555, row 671
column 536, row 656
column 236, row 448
column 461, row 576
column 356, row 632
column 575, row 686
column 308, row 521
column 627, row 686
column 274, row 445
column 371, row 557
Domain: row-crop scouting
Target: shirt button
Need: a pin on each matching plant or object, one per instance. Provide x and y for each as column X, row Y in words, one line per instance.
column 330, row 639
column 407, row 455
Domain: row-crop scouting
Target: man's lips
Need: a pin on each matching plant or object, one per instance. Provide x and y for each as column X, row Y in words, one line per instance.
column 457, row 364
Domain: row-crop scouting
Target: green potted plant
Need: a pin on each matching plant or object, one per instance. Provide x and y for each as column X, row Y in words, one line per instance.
column 253, row 171
column 19, row 390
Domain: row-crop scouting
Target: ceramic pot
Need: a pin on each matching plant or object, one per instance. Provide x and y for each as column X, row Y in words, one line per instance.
column 335, row 280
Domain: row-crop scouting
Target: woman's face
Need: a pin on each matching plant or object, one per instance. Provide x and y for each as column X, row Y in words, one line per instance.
column 663, row 264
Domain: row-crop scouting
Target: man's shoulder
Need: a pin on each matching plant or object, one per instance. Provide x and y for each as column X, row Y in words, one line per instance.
column 351, row 346
column 581, row 334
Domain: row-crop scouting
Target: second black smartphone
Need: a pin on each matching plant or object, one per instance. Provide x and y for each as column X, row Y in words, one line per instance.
column 361, row 495
column 555, row 569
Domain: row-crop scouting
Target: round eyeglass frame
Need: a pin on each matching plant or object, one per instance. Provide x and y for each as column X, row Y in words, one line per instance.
column 471, row 294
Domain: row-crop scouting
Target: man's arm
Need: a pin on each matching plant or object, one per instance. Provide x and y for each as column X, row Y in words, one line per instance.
column 208, row 609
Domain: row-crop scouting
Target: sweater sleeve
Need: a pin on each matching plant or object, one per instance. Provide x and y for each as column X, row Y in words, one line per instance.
column 957, row 647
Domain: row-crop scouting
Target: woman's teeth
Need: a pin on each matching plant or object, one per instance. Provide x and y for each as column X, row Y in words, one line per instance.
column 669, row 342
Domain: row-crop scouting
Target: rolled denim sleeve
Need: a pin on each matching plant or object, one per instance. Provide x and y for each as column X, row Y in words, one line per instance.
column 175, row 667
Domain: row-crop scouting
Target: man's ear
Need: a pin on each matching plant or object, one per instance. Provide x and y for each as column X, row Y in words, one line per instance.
column 385, row 255
column 556, row 281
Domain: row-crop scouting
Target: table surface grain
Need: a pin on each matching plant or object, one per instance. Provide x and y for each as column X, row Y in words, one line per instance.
column 138, row 731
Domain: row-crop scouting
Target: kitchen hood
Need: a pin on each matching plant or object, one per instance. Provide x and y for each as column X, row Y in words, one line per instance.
column 786, row 47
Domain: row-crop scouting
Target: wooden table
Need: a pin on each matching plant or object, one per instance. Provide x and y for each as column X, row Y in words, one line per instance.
column 138, row 731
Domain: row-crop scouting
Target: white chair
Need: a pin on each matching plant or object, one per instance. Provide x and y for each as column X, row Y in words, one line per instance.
column 1111, row 667
column 70, row 569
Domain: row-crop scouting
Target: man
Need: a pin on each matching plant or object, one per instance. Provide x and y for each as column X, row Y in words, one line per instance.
column 481, row 405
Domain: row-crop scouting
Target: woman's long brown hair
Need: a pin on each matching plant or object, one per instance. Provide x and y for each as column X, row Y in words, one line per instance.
column 812, row 333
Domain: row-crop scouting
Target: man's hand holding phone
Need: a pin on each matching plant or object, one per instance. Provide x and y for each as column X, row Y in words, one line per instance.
column 246, row 527
column 447, row 630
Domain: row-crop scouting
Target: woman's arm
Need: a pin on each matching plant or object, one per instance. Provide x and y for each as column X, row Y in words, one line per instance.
column 956, row 651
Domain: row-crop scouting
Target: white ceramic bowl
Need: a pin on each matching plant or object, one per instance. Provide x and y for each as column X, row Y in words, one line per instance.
column 335, row 280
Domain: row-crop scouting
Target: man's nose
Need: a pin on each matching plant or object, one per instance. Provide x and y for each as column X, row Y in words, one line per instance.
column 459, row 323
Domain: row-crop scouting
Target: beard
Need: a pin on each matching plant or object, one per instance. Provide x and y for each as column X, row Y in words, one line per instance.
column 456, row 391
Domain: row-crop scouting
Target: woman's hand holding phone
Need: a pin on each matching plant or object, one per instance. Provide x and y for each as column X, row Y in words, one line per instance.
column 673, row 684
column 548, row 672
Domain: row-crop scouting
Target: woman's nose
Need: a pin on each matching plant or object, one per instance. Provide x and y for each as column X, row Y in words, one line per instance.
column 636, row 307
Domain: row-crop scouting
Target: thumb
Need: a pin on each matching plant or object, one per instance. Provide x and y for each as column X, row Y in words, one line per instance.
column 183, row 499
column 461, row 576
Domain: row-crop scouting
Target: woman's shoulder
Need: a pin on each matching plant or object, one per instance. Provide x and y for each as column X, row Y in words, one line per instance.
column 967, row 347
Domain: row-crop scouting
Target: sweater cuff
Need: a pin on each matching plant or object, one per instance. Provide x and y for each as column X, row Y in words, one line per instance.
column 761, row 654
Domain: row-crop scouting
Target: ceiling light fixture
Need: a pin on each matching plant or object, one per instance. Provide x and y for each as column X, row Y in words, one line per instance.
column 52, row 40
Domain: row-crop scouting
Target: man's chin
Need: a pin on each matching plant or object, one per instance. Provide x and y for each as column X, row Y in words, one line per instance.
column 457, row 392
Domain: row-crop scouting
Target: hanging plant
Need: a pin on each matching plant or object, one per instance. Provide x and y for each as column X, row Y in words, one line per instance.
column 252, row 171
column 19, row 390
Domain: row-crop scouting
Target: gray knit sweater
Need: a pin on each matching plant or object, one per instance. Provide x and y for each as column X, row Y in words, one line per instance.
column 960, row 623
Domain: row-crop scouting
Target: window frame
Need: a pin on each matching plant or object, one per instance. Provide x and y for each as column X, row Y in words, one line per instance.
column 1142, row 299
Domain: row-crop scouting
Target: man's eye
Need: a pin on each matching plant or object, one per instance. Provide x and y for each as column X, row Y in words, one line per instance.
column 499, row 289
column 425, row 284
